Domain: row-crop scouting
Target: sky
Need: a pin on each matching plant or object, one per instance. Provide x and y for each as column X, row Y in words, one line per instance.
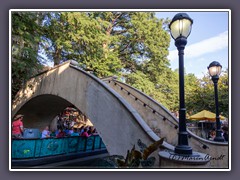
column 207, row 42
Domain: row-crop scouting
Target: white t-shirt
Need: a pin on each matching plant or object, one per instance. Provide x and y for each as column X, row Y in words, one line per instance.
column 45, row 133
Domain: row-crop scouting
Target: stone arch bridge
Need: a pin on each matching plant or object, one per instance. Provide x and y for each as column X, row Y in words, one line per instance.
column 121, row 113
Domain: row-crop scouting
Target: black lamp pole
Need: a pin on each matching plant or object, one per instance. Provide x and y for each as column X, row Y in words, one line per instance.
column 180, row 28
column 182, row 147
column 214, row 70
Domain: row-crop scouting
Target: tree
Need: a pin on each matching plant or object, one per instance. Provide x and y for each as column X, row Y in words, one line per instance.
column 26, row 32
column 79, row 36
column 202, row 96
column 223, row 94
column 192, row 86
column 107, row 42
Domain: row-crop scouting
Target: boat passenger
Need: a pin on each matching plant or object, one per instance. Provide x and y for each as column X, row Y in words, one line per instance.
column 85, row 134
column 61, row 133
column 70, row 131
column 75, row 133
column 81, row 130
column 94, row 132
column 46, row 133
column 17, row 126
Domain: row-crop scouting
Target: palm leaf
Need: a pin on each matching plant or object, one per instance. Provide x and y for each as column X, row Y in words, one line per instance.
column 121, row 163
column 150, row 149
column 132, row 155
column 127, row 160
column 136, row 154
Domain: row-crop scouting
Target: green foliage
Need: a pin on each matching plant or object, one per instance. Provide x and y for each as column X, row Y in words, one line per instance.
column 163, row 90
column 202, row 95
column 107, row 42
column 135, row 158
column 26, row 34
column 140, row 81
column 81, row 37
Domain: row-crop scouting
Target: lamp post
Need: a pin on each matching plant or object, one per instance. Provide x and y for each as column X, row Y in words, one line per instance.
column 214, row 70
column 180, row 28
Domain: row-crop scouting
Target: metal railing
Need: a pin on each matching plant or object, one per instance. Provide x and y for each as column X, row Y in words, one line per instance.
column 154, row 111
column 36, row 148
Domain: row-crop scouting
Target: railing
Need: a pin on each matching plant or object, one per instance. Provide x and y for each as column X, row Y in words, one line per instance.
column 154, row 111
column 143, row 103
column 36, row 148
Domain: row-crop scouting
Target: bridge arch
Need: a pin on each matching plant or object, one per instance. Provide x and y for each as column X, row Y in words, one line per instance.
column 40, row 110
column 46, row 94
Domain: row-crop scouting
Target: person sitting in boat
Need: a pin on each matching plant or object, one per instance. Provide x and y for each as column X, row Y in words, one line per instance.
column 75, row 132
column 17, row 126
column 70, row 131
column 94, row 132
column 81, row 130
column 71, row 124
column 61, row 133
column 46, row 133
column 90, row 130
column 60, row 122
column 66, row 131
column 53, row 134
column 85, row 133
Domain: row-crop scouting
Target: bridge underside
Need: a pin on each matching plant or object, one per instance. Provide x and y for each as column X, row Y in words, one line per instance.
column 41, row 110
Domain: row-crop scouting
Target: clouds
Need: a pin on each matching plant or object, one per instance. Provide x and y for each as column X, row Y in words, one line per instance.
column 206, row 46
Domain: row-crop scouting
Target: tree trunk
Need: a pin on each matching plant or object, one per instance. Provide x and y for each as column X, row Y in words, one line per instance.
column 57, row 56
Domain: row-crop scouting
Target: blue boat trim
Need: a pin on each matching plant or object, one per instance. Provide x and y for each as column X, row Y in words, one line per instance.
column 35, row 151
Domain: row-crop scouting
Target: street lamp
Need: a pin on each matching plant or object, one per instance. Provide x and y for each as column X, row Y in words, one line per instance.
column 214, row 70
column 180, row 28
